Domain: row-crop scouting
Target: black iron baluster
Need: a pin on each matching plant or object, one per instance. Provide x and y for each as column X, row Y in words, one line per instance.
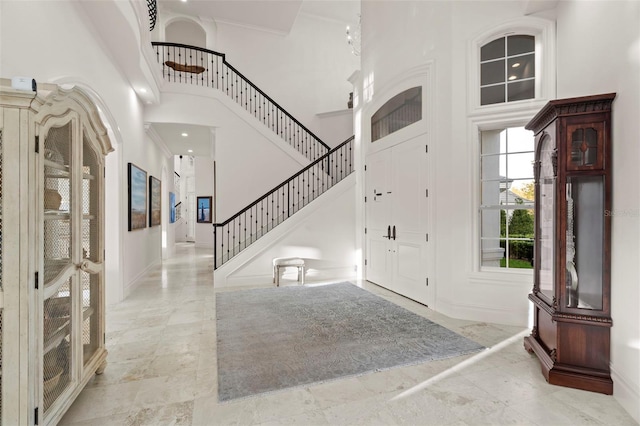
column 217, row 84
column 267, row 215
column 226, row 80
column 233, row 228
column 190, row 63
column 215, row 247
column 256, row 221
column 298, row 194
column 243, row 91
column 350, row 158
column 227, row 226
column 240, row 241
column 269, row 110
column 306, row 198
column 271, row 195
column 202, row 63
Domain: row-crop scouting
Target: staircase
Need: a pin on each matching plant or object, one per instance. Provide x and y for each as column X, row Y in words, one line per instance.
column 206, row 68
column 202, row 67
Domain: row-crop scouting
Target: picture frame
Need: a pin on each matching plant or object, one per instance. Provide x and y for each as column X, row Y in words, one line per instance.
column 137, row 192
column 172, row 207
column 155, row 198
column 203, row 210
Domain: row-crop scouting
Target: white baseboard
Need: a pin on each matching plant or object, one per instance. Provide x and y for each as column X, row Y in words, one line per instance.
column 334, row 274
column 133, row 284
column 627, row 394
column 482, row 313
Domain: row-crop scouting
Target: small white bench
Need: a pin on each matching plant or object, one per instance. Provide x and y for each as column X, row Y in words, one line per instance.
column 287, row 262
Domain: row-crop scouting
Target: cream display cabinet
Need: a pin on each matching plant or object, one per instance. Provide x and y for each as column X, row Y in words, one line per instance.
column 52, row 149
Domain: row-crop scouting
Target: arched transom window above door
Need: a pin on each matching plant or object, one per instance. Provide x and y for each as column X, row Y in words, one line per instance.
column 398, row 112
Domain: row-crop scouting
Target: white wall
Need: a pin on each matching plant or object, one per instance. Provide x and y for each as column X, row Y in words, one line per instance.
column 305, row 71
column 322, row 233
column 250, row 160
column 51, row 52
column 599, row 52
column 440, row 34
column 204, row 188
column 333, row 127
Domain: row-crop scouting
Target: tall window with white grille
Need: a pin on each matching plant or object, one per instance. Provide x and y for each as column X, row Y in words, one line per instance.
column 507, row 198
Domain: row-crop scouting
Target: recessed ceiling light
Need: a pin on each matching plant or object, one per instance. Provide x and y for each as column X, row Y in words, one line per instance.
column 512, row 77
column 515, row 65
column 184, row 135
column 143, row 90
column 189, row 150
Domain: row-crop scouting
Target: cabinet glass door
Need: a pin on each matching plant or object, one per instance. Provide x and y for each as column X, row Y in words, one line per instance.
column 59, row 269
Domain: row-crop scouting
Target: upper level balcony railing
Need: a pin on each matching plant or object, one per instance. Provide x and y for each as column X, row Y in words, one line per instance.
column 202, row 67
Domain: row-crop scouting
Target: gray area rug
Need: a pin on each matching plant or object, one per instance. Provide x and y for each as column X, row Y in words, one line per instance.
column 277, row 338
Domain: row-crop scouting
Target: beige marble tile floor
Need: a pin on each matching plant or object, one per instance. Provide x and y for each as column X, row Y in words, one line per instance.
column 162, row 371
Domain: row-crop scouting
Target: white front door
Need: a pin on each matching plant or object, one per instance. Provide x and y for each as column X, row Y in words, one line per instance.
column 378, row 216
column 397, row 220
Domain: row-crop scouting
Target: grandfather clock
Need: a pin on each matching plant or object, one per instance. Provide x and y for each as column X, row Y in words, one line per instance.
column 572, row 267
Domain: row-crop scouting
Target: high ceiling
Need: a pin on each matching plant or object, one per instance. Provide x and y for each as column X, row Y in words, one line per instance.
column 271, row 15
column 198, row 141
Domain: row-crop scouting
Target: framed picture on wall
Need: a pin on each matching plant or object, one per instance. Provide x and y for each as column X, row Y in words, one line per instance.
column 203, row 211
column 137, row 180
column 172, row 207
column 155, row 193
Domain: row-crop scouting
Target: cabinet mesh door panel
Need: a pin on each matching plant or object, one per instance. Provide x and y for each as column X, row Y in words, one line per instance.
column 91, row 225
column 56, row 349
column 57, row 202
column 58, row 247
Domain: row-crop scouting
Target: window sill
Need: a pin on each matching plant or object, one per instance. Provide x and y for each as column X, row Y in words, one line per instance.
column 502, row 276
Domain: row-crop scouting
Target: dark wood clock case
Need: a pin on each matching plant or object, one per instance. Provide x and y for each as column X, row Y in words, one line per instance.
column 572, row 274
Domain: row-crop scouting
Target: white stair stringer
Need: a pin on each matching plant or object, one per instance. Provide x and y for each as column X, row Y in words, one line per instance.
column 252, row 265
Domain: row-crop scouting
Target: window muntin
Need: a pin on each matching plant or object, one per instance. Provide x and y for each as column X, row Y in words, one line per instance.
column 507, row 199
column 507, row 70
column 398, row 112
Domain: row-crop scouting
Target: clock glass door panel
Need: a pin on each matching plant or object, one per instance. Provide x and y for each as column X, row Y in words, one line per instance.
column 584, row 236
column 546, row 225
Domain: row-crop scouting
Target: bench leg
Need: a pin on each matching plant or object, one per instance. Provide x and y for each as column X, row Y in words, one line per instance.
column 277, row 276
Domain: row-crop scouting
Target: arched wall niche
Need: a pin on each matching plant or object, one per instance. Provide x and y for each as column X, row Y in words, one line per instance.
column 185, row 31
